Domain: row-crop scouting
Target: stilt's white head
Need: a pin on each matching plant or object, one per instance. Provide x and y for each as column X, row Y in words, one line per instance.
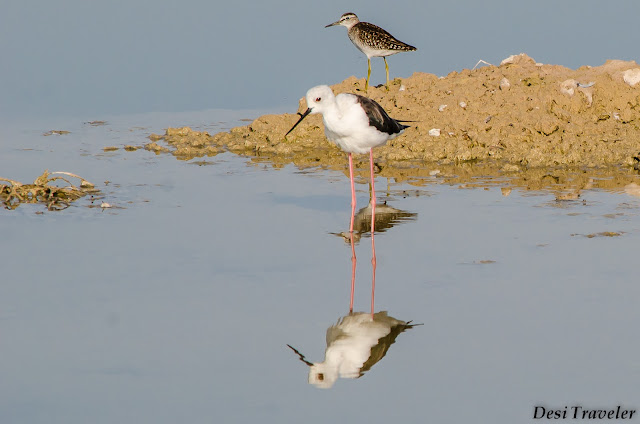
column 319, row 99
column 322, row 376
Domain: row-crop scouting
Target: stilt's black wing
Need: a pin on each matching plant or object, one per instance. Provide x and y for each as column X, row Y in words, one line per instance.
column 378, row 117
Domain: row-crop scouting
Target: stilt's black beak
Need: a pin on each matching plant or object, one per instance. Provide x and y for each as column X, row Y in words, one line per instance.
column 330, row 25
column 300, row 356
column 302, row 116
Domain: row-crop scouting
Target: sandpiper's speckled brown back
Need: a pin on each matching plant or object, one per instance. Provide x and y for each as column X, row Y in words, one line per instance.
column 375, row 41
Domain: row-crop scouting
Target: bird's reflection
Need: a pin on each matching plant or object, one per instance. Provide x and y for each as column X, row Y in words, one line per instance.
column 359, row 340
column 386, row 217
column 354, row 344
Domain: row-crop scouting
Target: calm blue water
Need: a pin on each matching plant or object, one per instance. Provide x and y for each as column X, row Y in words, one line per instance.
column 178, row 303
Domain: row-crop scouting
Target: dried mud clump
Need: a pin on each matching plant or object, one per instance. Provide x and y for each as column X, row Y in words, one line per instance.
column 186, row 143
column 44, row 191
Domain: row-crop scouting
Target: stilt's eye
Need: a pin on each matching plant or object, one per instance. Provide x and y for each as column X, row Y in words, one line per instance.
column 318, row 99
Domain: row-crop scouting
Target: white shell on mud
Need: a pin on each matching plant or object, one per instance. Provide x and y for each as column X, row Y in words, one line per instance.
column 631, row 76
column 434, row 132
column 568, row 87
column 511, row 59
column 587, row 84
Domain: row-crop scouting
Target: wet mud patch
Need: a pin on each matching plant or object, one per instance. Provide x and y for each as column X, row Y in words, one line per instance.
column 54, row 190
column 184, row 143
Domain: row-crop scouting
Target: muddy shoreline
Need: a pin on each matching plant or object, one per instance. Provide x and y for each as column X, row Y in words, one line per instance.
column 515, row 118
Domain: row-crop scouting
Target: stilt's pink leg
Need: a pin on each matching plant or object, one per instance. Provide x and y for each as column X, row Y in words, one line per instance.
column 373, row 225
column 373, row 279
column 353, row 273
column 353, row 193
column 373, row 187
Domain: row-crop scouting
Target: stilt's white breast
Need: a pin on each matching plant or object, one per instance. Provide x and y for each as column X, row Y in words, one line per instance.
column 348, row 126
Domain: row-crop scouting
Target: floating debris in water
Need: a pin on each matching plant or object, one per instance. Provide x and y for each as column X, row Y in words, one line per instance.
column 56, row 132
column 42, row 191
column 601, row 234
column 96, row 123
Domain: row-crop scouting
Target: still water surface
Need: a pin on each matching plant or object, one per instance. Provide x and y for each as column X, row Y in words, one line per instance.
column 178, row 303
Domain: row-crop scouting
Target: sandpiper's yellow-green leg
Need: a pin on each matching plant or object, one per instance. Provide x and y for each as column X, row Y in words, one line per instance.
column 366, row 84
column 386, row 67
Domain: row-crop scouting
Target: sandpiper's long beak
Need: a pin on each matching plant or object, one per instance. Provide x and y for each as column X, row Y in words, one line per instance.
column 302, row 116
column 330, row 25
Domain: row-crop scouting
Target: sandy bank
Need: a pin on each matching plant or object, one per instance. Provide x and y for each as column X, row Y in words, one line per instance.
column 514, row 117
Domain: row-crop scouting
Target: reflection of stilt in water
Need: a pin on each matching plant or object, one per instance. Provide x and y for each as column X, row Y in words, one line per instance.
column 354, row 344
column 369, row 219
column 386, row 218
column 373, row 248
column 359, row 340
column 353, row 270
column 372, row 207
column 354, row 264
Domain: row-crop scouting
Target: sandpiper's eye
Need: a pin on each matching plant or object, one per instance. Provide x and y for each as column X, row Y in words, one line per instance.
column 318, row 99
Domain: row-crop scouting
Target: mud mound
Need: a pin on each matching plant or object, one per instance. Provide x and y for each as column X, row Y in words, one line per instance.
column 516, row 116
column 520, row 112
